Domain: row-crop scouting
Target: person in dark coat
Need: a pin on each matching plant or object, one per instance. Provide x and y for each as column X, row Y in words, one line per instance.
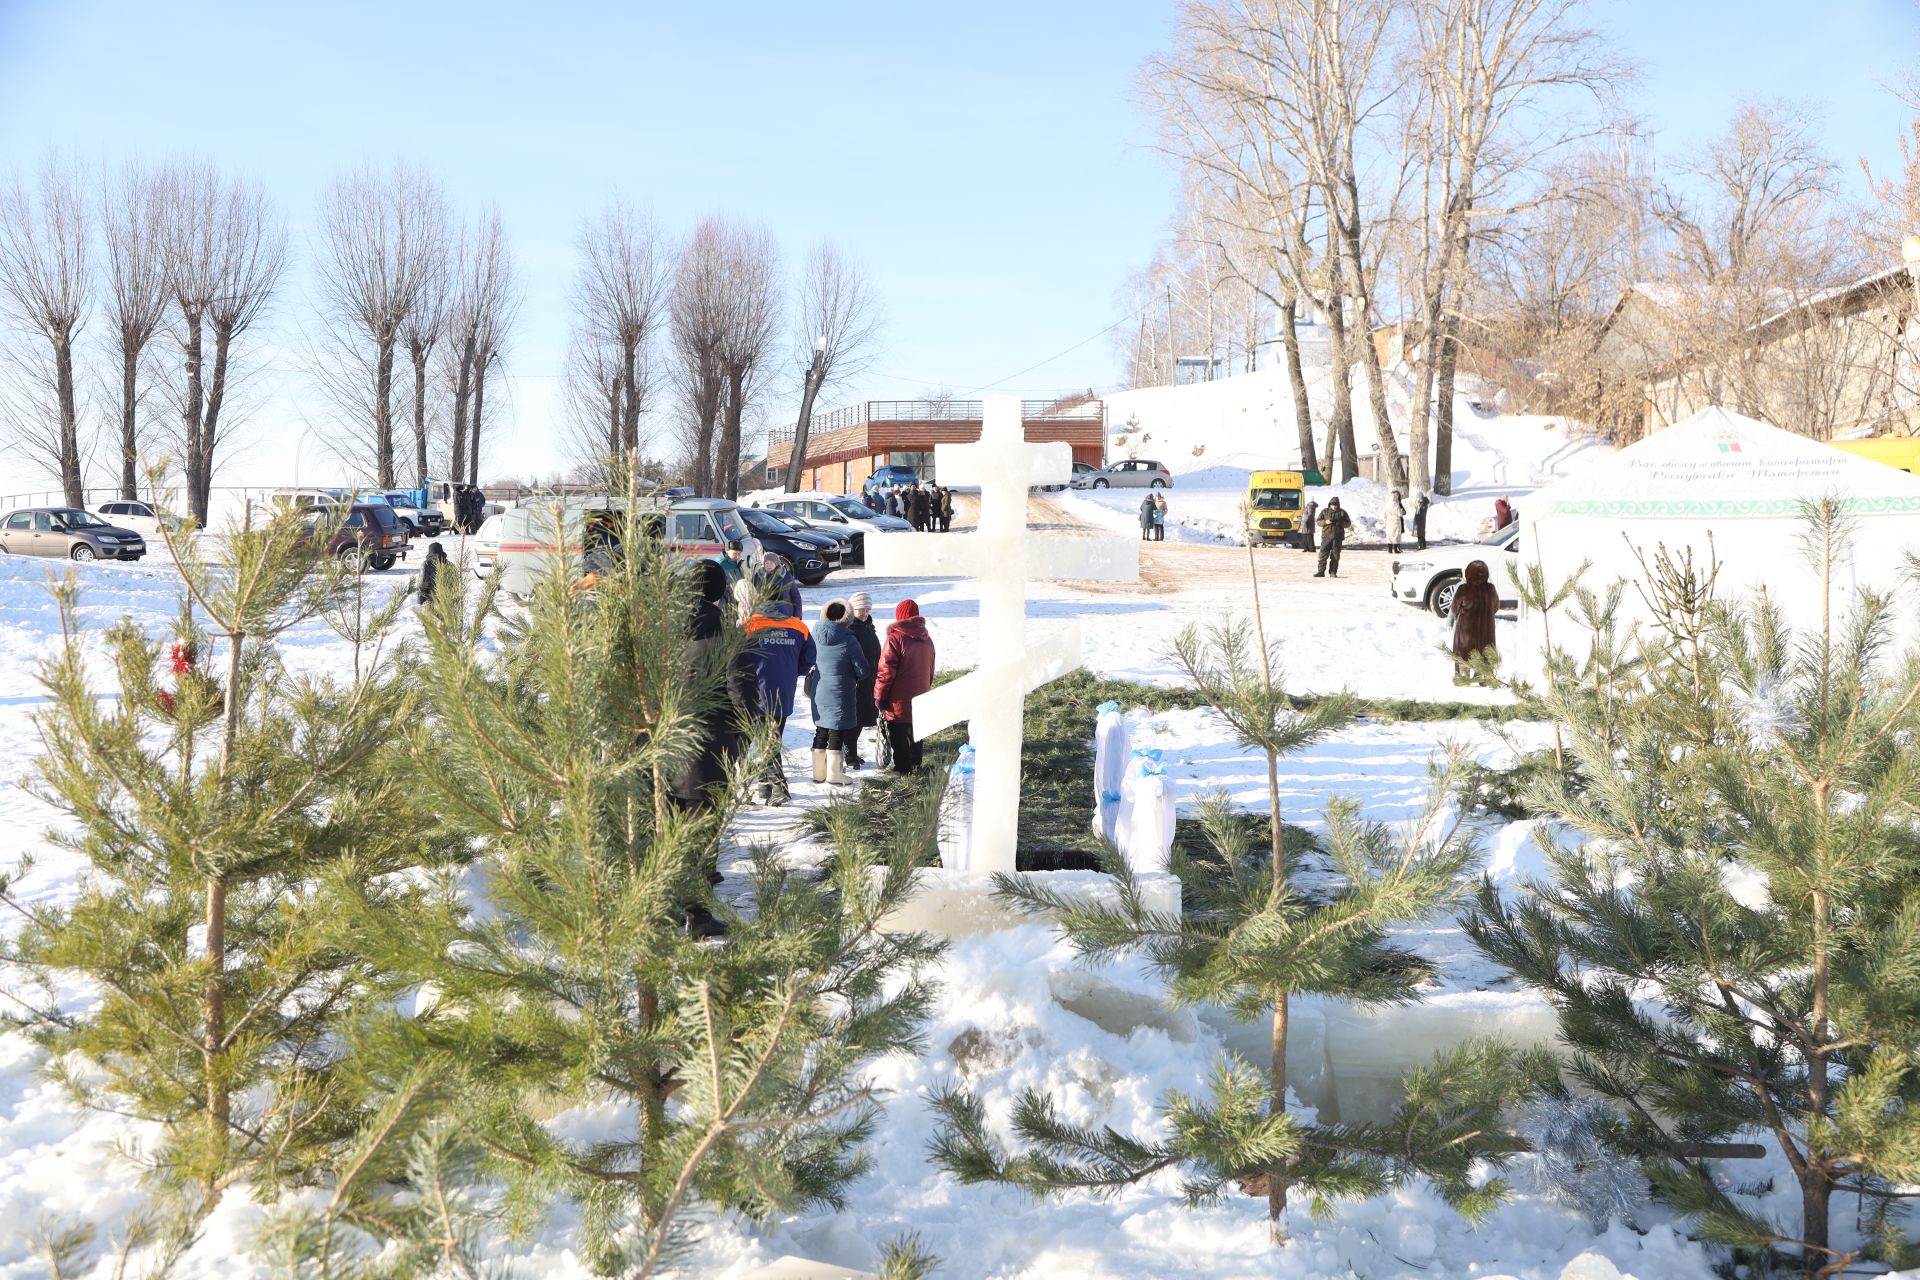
column 834, row 688
column 906, row 672
column 721, row 732
column 920, row 506
column 1420, row 504
column 860, row 623
column 946, row 510
column 1306, row 526
column 780, row 650
column 1476, row 603
column 1334, row 523
column 430, row 570
column 1146, row 518
column 776, row 581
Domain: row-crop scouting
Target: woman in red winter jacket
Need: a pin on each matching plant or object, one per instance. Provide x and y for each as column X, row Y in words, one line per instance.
column 906, row 672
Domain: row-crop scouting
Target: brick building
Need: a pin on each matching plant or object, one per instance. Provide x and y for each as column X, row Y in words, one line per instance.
column 848, row 445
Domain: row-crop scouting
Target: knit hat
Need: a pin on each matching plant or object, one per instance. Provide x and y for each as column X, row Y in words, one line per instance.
column 904, row 610
column 860, row 600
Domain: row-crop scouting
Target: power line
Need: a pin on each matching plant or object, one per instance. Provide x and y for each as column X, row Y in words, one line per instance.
column 1050, row 359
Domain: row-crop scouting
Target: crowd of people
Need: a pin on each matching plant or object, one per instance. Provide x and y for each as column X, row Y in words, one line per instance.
column 853, row 678
column 928, row 507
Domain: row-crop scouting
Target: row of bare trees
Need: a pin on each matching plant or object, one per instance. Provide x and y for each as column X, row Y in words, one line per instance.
column 1463, row 175
column 396, row 276
column 154, row 275
column 1347, row 157
column 702, row 321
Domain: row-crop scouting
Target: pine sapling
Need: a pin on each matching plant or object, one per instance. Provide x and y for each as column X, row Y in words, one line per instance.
column 1735, row 945
column 1260, row 927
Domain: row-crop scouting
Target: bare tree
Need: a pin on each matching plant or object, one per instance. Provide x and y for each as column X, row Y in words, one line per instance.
column 225, row 253
column 837, row 322
column 619, row 300
column 752, row 328
column 421, row 332
column 1757, row 235
column 698, row 306
column 132, row 213
column 1491, row 103
column 381, row 238
column 45, row 288
column 480, row 315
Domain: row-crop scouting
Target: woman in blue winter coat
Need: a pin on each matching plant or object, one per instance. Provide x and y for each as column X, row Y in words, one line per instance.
column 834, row 688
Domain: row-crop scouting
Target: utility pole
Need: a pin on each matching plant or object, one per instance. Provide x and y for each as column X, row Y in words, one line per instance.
column 816, row 374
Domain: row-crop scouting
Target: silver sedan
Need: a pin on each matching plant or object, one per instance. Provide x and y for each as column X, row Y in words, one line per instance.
column 1130, row 473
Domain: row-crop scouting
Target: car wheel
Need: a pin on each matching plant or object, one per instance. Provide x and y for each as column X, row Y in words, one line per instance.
column 381, row 562
column 351, row 560
column 814, row 580
column 1157, row 484
column 1100, row 484
column 1440, row 595
column 413, row 530
column 82, row 552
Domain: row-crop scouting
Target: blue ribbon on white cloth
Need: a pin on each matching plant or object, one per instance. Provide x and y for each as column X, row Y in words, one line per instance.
column 963, row 763
column 1107, row 706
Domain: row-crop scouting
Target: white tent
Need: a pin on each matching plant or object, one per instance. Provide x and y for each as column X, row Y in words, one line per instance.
column 1727, row 483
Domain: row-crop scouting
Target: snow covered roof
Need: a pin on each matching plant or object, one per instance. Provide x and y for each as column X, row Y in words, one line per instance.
column 1719, row 464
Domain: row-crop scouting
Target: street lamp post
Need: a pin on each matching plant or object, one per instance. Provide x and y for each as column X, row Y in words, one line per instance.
column 816, row 374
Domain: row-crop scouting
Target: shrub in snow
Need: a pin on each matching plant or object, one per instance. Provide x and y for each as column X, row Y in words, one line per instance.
column 1252, row 937
column 1783, row 1000
column 218, row 821
column 606, row 1058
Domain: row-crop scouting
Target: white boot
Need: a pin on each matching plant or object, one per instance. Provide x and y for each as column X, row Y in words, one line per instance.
column 837, row 768
column 819, row 765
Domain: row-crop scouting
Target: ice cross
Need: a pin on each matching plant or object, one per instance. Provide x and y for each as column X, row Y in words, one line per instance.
column 1002, row 555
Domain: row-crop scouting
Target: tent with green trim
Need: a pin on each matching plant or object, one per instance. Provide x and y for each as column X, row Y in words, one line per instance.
column 1733, row 491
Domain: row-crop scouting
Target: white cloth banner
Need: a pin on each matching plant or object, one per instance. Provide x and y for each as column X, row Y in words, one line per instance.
column 1149, row 801
column 1110, row 735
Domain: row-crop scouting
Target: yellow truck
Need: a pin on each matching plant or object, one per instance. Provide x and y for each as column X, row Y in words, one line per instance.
column 1896, row 451
column 1273, row 506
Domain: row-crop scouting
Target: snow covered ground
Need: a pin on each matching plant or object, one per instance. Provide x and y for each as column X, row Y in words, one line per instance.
column 1000, row 994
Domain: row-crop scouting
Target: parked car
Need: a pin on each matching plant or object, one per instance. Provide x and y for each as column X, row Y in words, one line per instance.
column 126, row 513
column 484, row 545
column 1429, row 578
column 889, row 476
column 1128, row 473
column 812, row 555
column 369, row 536
column 836, row 510
column 67, row 533
column 850, row 539
column 419, row 521
column 311, row 499
column 1080, row 469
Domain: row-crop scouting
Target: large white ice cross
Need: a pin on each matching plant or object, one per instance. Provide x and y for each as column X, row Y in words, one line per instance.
column 1002, row 555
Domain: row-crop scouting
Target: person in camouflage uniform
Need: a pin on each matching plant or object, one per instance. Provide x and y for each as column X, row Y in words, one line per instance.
column 1334, row 524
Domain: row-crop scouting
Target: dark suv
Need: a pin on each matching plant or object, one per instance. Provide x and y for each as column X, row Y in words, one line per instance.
column 812, row 555
column 369, row 537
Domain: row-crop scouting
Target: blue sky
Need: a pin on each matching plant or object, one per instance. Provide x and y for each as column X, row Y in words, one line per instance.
column 985, row 162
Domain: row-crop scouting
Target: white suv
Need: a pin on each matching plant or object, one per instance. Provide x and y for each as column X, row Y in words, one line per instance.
column 1429, row 578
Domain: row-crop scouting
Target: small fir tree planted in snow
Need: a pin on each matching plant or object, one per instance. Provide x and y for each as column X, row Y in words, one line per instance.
column 1733, row 945
column 214, row 796
column 1260, row 927
column 706, row 1074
